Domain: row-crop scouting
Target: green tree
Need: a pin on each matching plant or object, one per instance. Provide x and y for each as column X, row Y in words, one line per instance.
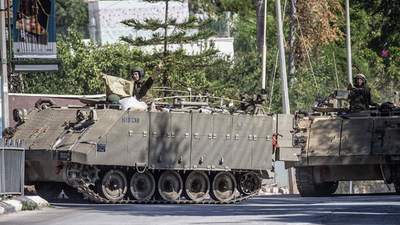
column 82, row 63
column 69, row 12
column 325, row 71
column 249, row 12
column 377, row 43
column 181, row 69
column 387, row 13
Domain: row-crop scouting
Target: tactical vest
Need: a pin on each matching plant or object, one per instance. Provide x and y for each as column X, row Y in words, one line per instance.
column 360, row 99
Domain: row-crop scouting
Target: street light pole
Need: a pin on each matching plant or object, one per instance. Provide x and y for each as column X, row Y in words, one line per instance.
column 4, row 79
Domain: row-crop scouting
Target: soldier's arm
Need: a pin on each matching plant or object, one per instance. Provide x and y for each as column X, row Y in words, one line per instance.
column 371, row 103
column 159, row 67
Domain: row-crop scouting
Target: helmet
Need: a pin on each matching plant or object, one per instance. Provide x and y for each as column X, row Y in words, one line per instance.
column 138, row 69
column 113, row 98
column 360, row 76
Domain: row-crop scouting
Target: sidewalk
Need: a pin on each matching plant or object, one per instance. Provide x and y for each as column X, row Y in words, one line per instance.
column 22, row 203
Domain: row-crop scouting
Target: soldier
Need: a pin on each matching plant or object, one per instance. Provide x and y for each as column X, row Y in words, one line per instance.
column 142, row 86
column 360, row 95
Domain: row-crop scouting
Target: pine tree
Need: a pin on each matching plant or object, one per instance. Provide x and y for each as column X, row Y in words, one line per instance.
column 178, row 60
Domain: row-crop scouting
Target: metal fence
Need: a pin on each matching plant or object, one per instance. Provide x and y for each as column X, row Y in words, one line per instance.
column 12, row 161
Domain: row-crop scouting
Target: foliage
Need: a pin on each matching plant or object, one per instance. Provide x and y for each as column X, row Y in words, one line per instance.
column 29, row 206
column 242, row 78
column 248, row 12
column 326, row 66
column 215, row 7
column 366, row 57
column 375, row 52
column 70, row 12
column 178, row 61
column 387, row 15
column 244, row 33
column 318, row 22
column 82, row 63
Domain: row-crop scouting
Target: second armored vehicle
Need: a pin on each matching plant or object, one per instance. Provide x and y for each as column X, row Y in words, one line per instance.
column 337, row 146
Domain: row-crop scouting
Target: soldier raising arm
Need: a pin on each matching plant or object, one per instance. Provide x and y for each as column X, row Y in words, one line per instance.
column 142, row 86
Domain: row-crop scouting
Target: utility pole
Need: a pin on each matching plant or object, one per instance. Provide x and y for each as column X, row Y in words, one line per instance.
column 348, row 43
column 284, row 85
column 282, row 62
column 4, row 76
column 264, row 50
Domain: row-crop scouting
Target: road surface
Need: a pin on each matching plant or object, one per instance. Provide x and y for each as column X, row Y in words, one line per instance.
column 268, row 210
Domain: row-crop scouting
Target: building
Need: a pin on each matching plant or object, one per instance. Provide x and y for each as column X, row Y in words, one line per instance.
column 105, row 22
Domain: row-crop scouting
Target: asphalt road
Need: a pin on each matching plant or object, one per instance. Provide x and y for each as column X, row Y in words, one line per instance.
column 269, row 209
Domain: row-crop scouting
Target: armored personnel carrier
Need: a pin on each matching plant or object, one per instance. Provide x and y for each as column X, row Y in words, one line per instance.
column 187, row 152
column 338, row 146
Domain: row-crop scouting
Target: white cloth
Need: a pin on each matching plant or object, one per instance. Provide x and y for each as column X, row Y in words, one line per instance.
column 133, row 104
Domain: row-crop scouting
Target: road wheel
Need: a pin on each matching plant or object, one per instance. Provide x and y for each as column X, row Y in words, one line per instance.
column 142, row 186
column 223, row 187
column 197, row 186
column 170, row 185
column 309, row 188
column 249, row 183
column 113, row 185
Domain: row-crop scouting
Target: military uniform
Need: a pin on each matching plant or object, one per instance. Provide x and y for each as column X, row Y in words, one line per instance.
column 142, row 87
column 143, row 91
column 360, row 99
column 360, row 96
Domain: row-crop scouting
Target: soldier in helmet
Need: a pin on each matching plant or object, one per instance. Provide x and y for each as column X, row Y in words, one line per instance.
column 360, row 95
column 141, row 86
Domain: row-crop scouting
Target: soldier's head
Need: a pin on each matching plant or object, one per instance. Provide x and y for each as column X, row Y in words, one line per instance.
column 137, row 73
column 359, row 80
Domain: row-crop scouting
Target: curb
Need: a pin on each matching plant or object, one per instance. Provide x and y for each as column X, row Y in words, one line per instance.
column 22, row 203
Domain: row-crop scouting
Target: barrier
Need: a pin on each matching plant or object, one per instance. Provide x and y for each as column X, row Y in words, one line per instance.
column 12, row 169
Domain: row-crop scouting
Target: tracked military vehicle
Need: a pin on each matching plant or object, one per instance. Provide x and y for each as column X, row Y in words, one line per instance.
column 184, row 152
column 337, row 145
